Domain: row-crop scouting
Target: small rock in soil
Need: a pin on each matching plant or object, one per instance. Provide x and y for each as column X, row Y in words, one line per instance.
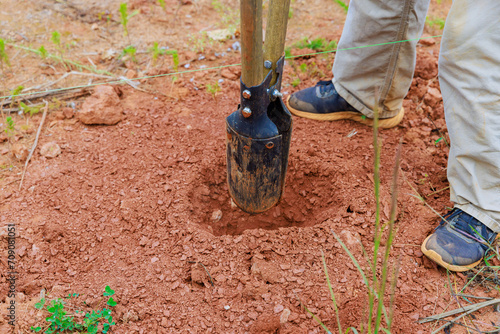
column 50, row 150
column 226, row 73
column 266, row 271
column 284, row 316
column 20, row 151
column 102, row 107
column 216, row 216
column 433, row 97
column 68, row 112
column 266, row 324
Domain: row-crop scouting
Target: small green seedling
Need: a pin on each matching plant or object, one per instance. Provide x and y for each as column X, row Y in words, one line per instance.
column 62, row 320
column 4, row 58
column 9, row 130
column 29, row 109
column 175, row 58
column 342, row 4
column 295, row 82
column 125, row 17
column 43, row 52
column 130, row 51
column 303, row 67
column 438, row 22
column 156, row 52
column 162, row 4
column 213, row 89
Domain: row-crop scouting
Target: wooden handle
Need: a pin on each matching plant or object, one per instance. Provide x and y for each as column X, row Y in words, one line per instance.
column 277, row 20
column 251, row 42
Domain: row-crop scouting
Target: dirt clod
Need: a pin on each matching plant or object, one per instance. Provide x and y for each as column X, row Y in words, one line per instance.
column 102, row 107
column 50, row 150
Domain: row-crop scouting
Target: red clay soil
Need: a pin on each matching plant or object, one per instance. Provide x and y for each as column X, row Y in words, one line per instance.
column 143, row 206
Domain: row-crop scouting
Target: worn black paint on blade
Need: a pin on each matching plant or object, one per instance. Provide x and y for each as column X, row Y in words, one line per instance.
column 254, row 169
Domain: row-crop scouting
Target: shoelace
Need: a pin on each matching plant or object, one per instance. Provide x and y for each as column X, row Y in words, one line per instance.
column 325, row 86
column 460, row 226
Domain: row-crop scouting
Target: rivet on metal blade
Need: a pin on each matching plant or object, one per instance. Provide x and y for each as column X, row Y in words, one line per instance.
column 246, row 112
column 270, row 145
column 268, row 64
column 246, row 94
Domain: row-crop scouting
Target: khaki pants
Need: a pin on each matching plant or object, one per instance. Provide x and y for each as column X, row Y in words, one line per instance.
column 469, row 76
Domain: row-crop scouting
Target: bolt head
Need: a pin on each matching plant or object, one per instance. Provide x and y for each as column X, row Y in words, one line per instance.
column 277, row 93
column 268, row 64
column 246, row 112
column 246, row 94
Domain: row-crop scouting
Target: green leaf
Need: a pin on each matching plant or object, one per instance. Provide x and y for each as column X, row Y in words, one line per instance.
column 111, row 302
column 40, row 304
column 36, row 329
column 438, row 140
column 108, row 291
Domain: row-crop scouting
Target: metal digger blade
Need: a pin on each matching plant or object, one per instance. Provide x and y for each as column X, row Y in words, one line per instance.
column 258, row 142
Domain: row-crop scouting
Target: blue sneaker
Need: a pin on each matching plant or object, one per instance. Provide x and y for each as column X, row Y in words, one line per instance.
column 323, row 103
column 459, row 243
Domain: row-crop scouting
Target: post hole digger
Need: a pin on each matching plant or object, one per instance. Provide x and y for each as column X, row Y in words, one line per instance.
column 259, row 132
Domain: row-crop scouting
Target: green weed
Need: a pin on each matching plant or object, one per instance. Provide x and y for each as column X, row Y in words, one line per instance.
column 162, row 4
column 10, row 126
column 377, row 312
column 303, row 67
column 175, row 58
column 43, row 52
column 318, row 44
column 29, row 109
column 125, row 17
column 342, row 4
column 61, row 320
column 295, row 82
column 213, row 89
column 130, row 52
column 435, row 22
column 4, row 58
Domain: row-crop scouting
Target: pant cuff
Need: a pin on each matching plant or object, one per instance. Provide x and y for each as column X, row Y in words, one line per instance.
column 358, row 105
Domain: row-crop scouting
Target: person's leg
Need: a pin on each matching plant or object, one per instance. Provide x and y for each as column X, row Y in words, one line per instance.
column 375, row 76
column 378, row 76
column 469, row 76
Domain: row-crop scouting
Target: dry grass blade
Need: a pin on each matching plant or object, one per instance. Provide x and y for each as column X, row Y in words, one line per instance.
column 46, row 108
column 467, row 309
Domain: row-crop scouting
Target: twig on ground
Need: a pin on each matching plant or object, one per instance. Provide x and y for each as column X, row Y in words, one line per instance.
column 467, row 309
column 35, row 143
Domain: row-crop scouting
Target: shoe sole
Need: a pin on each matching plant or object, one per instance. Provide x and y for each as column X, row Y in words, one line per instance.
column 384, row 123
column 439, row 260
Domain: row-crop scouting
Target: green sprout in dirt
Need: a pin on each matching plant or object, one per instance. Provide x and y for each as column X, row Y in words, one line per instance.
column 9, row 129
column 4, row 58
column 162, row 4
column 43, row 52
column 435, row 22
column 342, row 4
column 213, row 89
column 125, row 17
column 303, row 67
column 296, row 82
column 56, row 39
column 318, row 44
column 175, row 58
column 29, row 109
column 63, row 320
column 130, row 52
